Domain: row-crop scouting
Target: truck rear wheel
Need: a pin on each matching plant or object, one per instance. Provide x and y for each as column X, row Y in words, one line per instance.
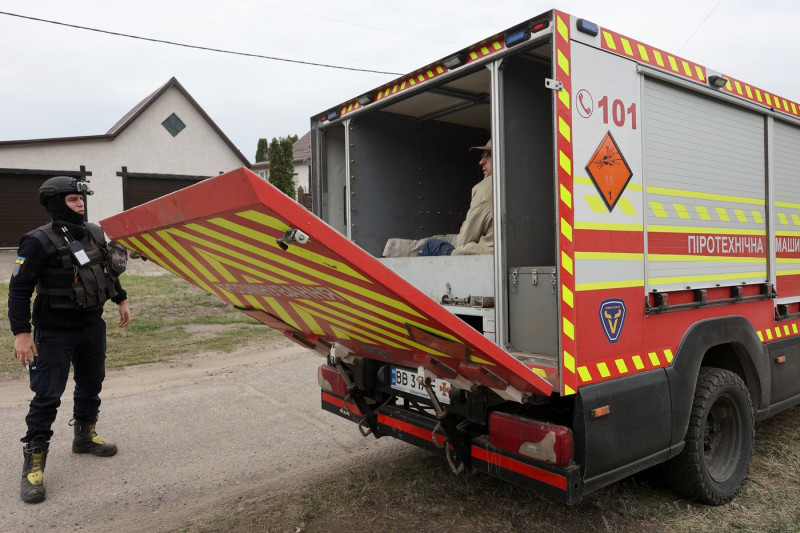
column 719, row 441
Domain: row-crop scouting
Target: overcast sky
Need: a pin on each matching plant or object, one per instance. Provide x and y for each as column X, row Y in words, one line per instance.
column 58, row 81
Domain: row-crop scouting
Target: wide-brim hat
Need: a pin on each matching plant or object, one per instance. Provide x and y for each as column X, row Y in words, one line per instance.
column 480, row 149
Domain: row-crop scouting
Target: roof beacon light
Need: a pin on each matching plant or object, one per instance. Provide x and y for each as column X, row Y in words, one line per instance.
column 587, row 27
column 364, row 99
column 517, row 36
column 717, row 81
column 454, row 61
column 539, row 26
column 333, row 115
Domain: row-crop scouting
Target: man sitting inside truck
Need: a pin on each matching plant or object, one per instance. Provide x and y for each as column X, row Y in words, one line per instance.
column 476, row 235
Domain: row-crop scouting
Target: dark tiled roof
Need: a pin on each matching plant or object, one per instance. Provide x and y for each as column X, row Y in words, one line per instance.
column 302, row 148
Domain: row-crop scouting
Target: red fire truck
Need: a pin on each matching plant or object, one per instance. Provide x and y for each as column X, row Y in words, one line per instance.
column 642, row 300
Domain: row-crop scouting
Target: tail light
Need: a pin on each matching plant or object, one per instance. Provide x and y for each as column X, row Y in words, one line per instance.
column 544, row 442
column 330, row 380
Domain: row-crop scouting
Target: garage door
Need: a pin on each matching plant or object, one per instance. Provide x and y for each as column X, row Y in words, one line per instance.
column 142, row 189
column 20, row 211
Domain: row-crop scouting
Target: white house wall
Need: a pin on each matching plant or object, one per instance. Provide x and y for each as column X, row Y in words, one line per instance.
column 144, row 147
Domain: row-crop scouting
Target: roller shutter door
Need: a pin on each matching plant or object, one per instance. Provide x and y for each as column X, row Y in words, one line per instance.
column 20, row 211
column 140, row 190
column 704, row 163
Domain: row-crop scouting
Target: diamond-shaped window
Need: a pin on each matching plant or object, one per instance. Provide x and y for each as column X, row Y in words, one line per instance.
column 609, row 171
column 173, row 124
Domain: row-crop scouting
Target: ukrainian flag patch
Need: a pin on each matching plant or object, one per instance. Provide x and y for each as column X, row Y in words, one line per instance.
column 18, row 265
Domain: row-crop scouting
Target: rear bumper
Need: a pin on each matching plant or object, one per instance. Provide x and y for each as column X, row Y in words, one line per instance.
column 559, row 483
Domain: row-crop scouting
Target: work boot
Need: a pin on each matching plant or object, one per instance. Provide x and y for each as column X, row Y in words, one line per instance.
column 87, row 441
column 35, row 454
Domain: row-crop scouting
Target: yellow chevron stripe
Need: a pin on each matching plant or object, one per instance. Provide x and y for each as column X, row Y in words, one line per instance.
column 790, row 205
column 565, row 162
column 595, row 203
column 220, row 262
column 341, row 334
column 145, row 250
column 307, row 317
column 569, row 361
column 388, row 314
column 299, row 251
column 564, row 129
column 706, row 258
column 609, row 40
column 626, row 206
column 707, row 277
column 583, row 180
column 333, row 280
column 375, row 338
column 609, row 227
column 566, row 262
column 281, row 312
column 563, row 62
column 568, row 328
column 609, row 256
column 567, row 296
column 697, row 229
column 562, row 28
column 242, row 257
column 566, row 229
column 345, row 322
column 704, row 195
column 565, row 195
column 564, row 97
column 186, row 271
column 599, row 285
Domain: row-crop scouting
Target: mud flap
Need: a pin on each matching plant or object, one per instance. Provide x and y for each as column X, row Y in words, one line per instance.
column 242, row 240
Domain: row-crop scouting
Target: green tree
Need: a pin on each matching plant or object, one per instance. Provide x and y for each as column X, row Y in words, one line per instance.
column 281, row 165
column 261, row 151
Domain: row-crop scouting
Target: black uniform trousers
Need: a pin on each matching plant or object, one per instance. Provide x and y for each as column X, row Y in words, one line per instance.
column 85, row 349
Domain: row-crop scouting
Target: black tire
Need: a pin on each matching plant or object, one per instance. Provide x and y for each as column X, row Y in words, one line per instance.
column 715, row 460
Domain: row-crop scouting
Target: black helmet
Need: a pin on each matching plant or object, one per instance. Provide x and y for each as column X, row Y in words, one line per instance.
column 62, row 185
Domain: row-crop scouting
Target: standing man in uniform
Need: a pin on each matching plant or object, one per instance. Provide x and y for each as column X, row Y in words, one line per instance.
column 68, row 263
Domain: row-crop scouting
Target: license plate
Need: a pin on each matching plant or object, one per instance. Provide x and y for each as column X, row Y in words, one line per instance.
column 409, row 381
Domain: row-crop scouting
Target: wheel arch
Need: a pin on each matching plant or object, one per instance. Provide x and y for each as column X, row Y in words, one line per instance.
column 729, row 343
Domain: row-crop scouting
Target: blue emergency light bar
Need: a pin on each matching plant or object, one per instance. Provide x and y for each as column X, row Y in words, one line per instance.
column 587, row 27
column 517, row 36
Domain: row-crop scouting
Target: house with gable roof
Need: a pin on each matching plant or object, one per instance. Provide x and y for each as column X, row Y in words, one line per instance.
column 165, row 143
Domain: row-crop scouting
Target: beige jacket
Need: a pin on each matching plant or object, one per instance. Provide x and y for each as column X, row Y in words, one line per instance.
column 476, row 235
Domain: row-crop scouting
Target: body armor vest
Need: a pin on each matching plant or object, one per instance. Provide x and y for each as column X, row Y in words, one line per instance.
column 71, row 285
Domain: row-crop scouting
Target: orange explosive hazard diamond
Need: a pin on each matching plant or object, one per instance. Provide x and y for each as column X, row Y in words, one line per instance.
column 609, row 171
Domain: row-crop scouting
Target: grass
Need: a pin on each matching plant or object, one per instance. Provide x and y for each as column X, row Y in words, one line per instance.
column 171, row 319
column 420, row 494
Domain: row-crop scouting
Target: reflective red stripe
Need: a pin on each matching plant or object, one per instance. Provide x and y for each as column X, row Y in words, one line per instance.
column 559, row 482
column 338, row 402
column 405, row 427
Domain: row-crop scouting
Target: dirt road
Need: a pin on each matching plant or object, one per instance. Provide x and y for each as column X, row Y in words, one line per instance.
column 193, row 437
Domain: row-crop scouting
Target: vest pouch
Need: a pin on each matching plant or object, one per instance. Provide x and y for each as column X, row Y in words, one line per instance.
column 117, row 258
column 79, row 296
column 92, row 282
